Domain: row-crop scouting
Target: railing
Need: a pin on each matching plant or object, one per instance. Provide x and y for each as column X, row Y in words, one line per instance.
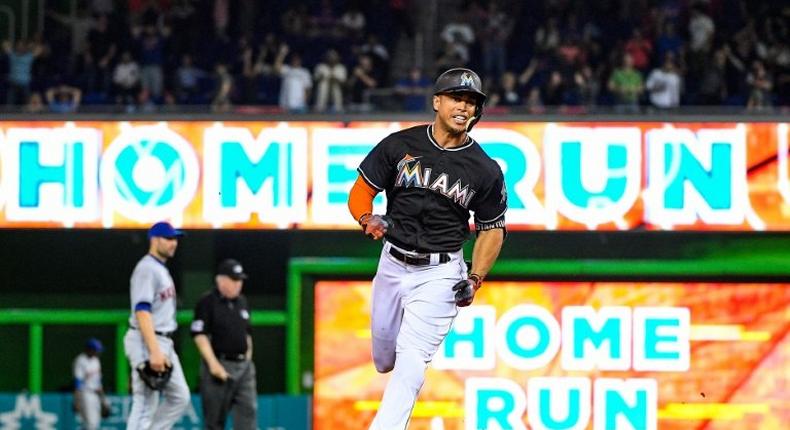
column 384, row 104
column 37, row 318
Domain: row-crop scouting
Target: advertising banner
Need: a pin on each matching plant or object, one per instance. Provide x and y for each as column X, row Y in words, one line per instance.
column 54, row 411
column 574, row 355
column 281, row 175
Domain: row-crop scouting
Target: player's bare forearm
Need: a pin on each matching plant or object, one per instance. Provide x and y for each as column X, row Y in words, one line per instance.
column 206, row 351
column 146, row 326
column 249, row 347
column 486, row 250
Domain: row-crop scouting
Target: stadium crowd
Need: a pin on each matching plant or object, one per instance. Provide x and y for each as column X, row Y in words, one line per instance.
column 327, row 55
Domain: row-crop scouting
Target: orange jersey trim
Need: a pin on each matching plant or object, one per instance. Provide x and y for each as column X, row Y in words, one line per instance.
column 360, row 199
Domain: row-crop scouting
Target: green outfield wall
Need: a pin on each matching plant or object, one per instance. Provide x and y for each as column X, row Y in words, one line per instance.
column 53, row 296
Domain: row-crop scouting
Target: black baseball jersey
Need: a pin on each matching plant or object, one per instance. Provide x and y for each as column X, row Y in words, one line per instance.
column 430, row 189
column 225, row 321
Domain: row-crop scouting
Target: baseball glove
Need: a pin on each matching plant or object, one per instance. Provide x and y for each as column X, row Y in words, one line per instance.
column 155, row 380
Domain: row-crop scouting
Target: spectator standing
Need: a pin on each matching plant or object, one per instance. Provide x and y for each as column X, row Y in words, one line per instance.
column 451, row 56
column 151, row 43
column 665, row 84
column 362, row 79
column 222, row 332
column 352, row 23
column 701, row 32
column 330, row 79
column 459, row 35
column 760, row 85
column 380, row 56
column 547, row 36
column 627, row 86
column 669, row 41
column 267, row 54
column 780, row 53
column 496, row 33
column 588, row 84
column 187, row 80
column 245, row 67
column 295, row 84
column 640, row 50
column 221, row 102
column 79, row 25
column 414, row 90
column 126, row 78
column 736, row 73
column 508, row 94
column 713, row 82
column 20, row 66
column 99, row 56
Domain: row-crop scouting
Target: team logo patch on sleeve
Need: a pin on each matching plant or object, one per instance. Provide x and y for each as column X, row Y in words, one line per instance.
column 197, row 325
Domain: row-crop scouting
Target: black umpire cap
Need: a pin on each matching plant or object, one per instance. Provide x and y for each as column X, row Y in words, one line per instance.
column 232, row 269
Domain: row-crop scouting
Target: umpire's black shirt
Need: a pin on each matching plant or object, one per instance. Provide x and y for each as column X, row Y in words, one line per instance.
column 225, row 321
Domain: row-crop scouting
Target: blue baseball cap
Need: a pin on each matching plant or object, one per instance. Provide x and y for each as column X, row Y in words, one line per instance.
column 94, row 345
column 164, row 229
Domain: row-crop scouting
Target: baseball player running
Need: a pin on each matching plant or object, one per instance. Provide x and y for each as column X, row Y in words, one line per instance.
column 151, row 325
column 434, row 175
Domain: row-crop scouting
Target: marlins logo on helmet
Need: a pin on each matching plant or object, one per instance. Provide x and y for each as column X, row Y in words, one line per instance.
column 467, row 80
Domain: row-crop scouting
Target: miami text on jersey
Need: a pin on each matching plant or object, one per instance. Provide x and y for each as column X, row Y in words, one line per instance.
column 411, row 174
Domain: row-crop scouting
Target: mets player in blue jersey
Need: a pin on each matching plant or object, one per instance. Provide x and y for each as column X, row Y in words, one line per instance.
column 149, row 338
column 434, row 175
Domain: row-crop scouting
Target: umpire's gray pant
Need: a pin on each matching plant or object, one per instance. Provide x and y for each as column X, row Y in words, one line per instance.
column 238, row 393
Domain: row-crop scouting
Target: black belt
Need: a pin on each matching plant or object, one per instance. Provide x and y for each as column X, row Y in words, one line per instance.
column 232, row 357
column 158, row 333
column 417, row 261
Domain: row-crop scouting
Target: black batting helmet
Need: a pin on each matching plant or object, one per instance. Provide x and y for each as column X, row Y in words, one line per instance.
column 461, row 80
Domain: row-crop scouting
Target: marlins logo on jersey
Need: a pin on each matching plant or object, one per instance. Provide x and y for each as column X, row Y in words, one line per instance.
column 411, row 174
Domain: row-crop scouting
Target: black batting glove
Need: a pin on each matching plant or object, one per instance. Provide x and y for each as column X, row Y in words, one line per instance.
column 465, row 290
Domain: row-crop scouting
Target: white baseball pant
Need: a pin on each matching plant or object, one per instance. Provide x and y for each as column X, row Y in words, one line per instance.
column 90, row 409
column 147, row 413
column 413, row 308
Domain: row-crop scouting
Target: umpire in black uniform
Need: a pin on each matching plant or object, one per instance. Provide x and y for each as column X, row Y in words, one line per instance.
column 221, row 329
